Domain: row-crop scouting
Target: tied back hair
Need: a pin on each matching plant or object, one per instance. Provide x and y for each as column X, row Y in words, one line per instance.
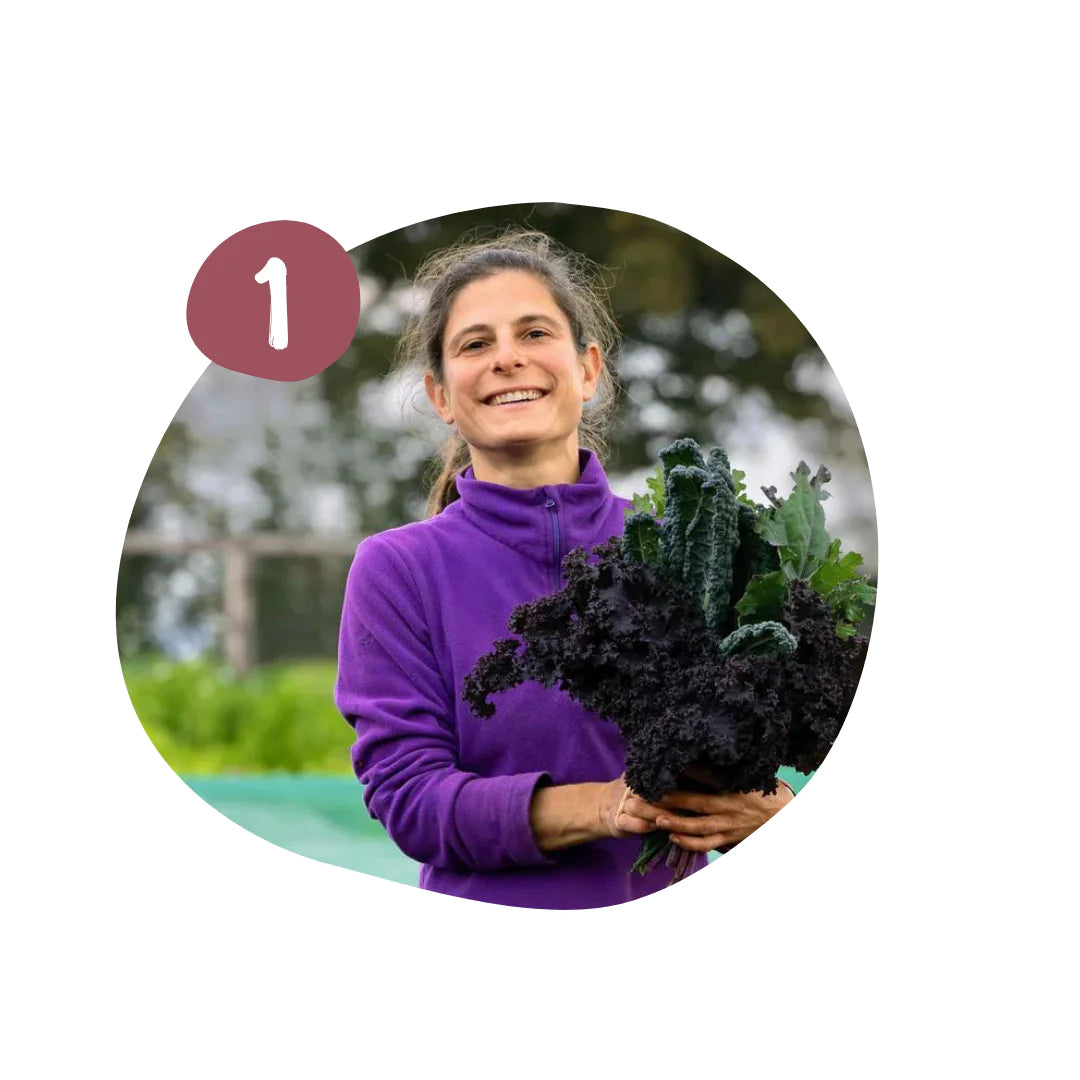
column 575, row 284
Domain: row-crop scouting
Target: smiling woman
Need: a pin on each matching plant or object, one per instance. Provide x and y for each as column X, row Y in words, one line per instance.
column 517, row 346
column 553, row 309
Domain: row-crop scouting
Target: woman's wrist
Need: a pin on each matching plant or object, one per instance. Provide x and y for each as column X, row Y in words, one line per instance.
column 565, row 815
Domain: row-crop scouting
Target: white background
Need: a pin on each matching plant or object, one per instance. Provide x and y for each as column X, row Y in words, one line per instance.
column 901, row 176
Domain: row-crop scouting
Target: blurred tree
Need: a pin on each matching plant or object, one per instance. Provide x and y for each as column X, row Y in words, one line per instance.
column 141, row 577
column 708, row 351
column 700, row 332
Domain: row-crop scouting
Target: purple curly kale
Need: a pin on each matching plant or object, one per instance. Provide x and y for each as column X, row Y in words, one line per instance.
column 627, row 642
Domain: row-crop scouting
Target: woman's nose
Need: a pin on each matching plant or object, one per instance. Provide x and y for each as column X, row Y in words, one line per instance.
column 506, row 356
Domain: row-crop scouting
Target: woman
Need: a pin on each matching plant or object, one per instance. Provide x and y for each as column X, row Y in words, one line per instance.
column 528, row 808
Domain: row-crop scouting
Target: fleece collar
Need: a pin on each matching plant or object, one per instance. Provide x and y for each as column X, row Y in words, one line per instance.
column 524, row 518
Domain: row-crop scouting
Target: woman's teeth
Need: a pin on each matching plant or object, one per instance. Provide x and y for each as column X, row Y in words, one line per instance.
column 515, row 395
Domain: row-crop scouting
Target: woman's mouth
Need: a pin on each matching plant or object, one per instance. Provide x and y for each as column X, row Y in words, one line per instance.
column 515, row 397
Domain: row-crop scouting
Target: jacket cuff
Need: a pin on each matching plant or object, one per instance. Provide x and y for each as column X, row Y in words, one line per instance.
column 499, row 806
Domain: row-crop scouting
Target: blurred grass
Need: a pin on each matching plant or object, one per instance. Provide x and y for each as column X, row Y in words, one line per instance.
column 224, row 734
column 204, row 720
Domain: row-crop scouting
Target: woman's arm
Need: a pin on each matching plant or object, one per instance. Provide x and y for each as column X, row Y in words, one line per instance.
column 390, row 687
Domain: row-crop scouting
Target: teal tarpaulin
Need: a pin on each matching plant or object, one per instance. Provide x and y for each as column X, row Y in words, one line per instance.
column 322, row 817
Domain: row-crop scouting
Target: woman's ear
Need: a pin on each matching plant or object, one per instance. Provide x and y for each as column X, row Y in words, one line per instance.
column 438, row 397
column 592, row 366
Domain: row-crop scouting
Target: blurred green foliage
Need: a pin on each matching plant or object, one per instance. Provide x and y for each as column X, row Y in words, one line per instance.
column 203, row 720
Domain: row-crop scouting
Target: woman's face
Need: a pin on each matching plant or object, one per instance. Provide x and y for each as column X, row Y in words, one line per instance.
column 505, row 335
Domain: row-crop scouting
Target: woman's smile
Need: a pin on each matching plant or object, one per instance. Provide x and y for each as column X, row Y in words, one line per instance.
column 507, row 398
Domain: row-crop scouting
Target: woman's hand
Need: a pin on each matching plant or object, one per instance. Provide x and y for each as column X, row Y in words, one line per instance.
column 569, row 814
column 722, row 821
column 622, row 813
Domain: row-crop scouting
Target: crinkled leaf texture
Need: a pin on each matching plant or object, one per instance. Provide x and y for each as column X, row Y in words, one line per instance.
column 641, row 539
column 759, row 639
column 685, row 541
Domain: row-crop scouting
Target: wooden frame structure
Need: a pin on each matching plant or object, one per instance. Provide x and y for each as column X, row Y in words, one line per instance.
column 239, row 553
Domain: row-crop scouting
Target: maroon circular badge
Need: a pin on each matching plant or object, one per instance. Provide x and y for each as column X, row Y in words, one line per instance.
column 280, row 300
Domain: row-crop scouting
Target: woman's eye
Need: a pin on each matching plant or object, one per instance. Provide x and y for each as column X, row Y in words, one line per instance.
column 474, row 345
column 536, row 332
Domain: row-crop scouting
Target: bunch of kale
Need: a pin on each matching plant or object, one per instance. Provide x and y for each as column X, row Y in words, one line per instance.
column 717, row 634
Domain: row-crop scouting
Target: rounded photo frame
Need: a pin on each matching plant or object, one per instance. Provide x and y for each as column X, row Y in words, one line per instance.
column 248, row 586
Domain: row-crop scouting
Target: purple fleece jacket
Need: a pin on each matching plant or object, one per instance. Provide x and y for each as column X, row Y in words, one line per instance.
column 423, row 602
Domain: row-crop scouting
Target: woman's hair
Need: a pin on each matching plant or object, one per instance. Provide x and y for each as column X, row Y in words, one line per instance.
column 575, row 286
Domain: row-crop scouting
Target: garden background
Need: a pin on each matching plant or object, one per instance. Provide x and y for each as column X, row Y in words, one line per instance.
column 230, row 585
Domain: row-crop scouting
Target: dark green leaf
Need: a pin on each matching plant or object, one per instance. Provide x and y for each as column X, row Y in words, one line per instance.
column 759, row 639
column 685, row 542
column 834, row 571
column 763, row 599
column 684, row 452
column 852, row 599
column 641, row 539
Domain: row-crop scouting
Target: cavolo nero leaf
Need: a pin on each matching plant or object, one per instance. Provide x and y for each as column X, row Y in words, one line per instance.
column 759, row 639
column 681, row 452
column 684, row 542
column 718, row 467
column 674, row 527
column 641, row 539
column 721, row 544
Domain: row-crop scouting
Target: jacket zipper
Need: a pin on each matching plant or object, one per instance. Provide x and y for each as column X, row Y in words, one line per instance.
column 557, row 537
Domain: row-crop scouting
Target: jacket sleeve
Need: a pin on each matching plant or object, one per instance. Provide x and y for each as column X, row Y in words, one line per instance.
column 391, row 689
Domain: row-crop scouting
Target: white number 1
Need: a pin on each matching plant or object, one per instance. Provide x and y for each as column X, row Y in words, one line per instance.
column 274, row 272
